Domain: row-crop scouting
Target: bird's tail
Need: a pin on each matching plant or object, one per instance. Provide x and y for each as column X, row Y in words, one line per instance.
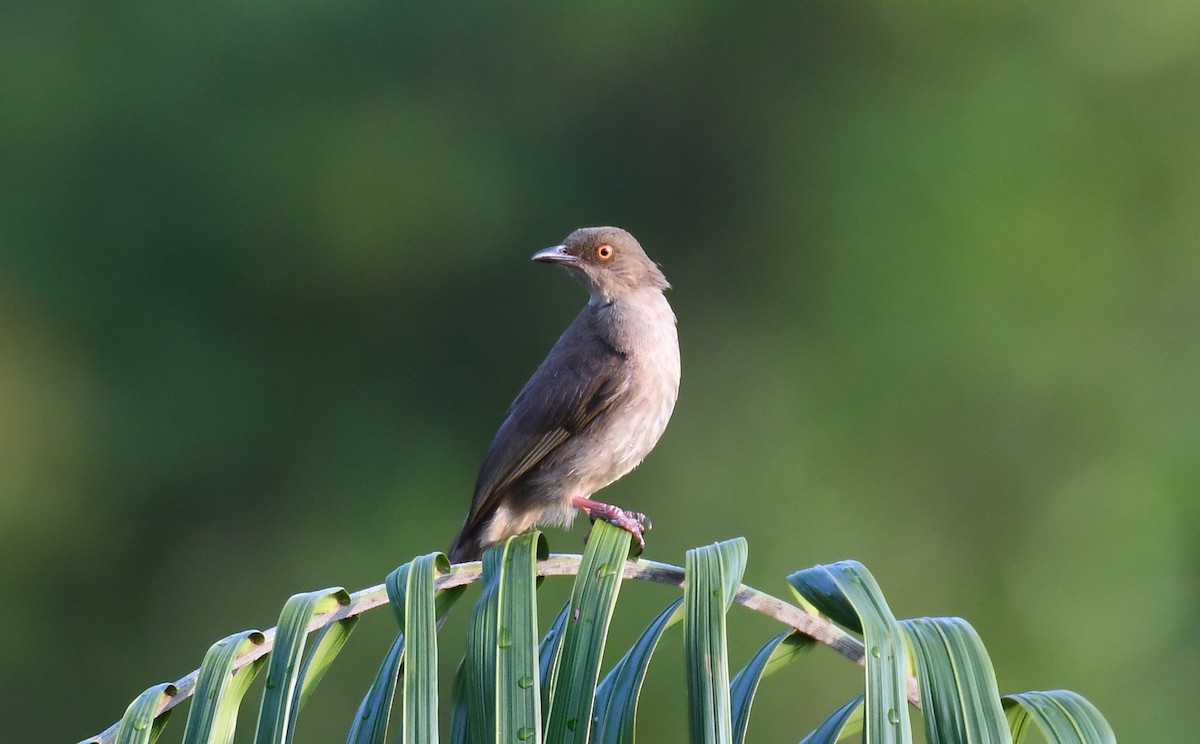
column 466, row 547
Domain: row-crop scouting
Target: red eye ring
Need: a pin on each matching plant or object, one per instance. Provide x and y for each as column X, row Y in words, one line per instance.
column 604, row 252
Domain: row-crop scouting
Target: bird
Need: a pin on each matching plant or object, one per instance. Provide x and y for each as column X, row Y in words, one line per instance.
column 595, row 407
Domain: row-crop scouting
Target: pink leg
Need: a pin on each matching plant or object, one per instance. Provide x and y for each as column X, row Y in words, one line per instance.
column 635, row 523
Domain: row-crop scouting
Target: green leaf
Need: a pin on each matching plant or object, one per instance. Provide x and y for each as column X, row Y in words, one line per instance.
column 713, row 574
column 593, row 598
column 618, row 693
column 822, row 593
column 410, row 589
column 548, row 654
column 780, row 650
column 518, row 694
column 220, row 688
column 848, row 582
column 276, row 717
column 325, row 648
column 503, row 694
column 845, row 720
column 478, row 672
column 412, row 610
column 1062, row 716
column 459, row 723
column 370, row 725
column 141, row 723
column 960, row 700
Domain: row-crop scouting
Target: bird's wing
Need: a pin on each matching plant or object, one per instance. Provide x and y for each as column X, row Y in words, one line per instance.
column 581, row 378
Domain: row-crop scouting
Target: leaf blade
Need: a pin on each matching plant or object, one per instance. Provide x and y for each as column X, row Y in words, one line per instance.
column 326, row 645
column 371, row 721
column 410, row 589
column 713, row 573
column 960, row 699
column 141, row 723
column 500, row 672
column 848, row 584
column 577, row 667
column 1062, row 716
column 840, row 723
column 212, row 717
column 778, row 651
column 618, row 694
column 548, row 651
column 518, row 694
column 276, row 717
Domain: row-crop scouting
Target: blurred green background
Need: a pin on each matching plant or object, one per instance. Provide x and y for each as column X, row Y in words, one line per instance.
column 265, row 295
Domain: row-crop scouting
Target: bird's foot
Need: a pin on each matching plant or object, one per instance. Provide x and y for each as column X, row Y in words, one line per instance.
column 635, row 523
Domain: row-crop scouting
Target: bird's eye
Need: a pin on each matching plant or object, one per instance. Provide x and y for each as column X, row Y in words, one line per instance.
column 604, row 252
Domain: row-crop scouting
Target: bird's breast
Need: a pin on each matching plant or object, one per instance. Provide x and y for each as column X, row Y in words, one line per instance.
column 651, row 345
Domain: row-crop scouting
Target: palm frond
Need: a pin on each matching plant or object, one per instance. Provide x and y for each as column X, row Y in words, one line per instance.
column 513, row 686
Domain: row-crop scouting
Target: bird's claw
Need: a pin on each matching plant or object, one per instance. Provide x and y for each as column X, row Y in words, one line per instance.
column 635, row 523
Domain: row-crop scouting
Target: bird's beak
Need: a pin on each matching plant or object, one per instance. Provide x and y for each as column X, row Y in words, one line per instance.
column 556, row 254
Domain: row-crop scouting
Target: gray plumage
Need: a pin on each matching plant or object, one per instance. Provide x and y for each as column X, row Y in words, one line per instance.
column 594, row 408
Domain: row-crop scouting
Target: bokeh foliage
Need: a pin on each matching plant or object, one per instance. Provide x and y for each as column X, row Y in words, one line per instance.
column 264, row 296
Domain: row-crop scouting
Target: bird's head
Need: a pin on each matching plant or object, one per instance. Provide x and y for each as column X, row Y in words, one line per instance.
column 608, row 260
